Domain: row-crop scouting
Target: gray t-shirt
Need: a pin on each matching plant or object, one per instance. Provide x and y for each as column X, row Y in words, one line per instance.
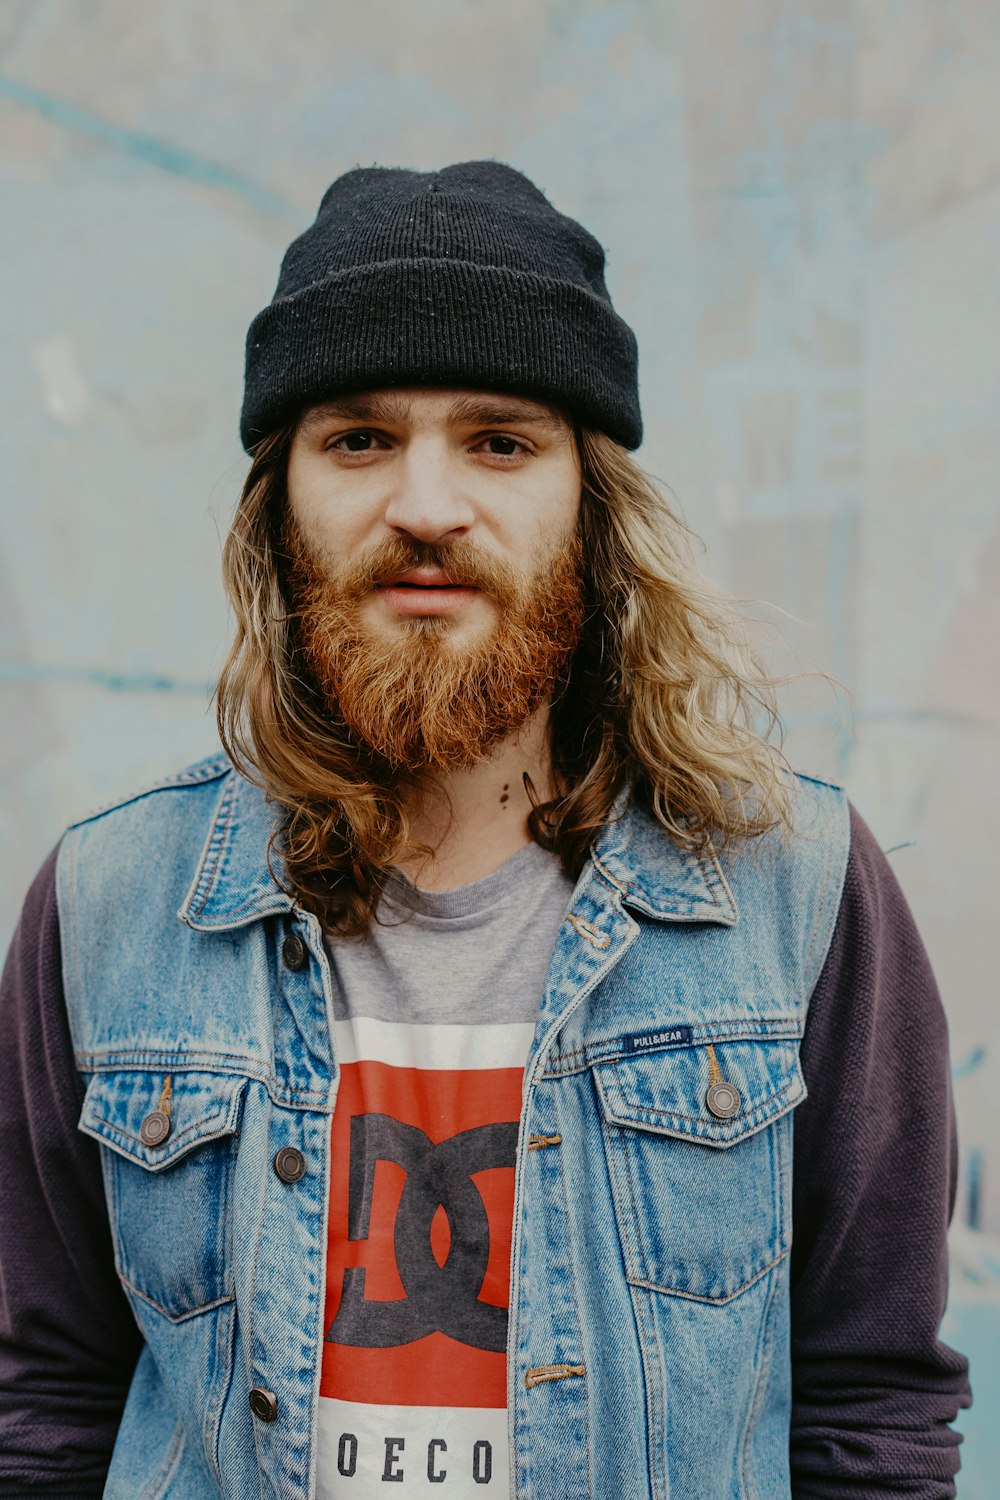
column 472, row 955
column 434, row 1012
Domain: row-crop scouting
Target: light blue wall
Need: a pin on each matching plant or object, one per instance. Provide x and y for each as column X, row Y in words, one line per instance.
column 801, row 205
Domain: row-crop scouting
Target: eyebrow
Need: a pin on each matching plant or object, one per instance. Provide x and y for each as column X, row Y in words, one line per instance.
column 473, row 411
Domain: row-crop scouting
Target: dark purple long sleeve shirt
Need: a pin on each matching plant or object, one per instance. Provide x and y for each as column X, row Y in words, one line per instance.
column 874, row 1390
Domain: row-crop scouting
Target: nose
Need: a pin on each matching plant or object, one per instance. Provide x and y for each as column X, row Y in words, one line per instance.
column 429, row 499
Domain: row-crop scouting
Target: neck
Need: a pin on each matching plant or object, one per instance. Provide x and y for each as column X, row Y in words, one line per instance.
column 476, row 819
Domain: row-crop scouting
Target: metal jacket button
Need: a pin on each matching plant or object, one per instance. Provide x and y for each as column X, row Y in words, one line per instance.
column 263, row 1404
column 723, row 1099
column 294, row 952
column 155, row 1128
column 290, row 1164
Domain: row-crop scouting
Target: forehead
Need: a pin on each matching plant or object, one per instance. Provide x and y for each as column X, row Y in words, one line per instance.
column 391, row 407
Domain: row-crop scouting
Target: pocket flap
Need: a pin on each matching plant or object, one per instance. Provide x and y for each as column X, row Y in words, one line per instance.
column 202, row 1107
column 668, row 1091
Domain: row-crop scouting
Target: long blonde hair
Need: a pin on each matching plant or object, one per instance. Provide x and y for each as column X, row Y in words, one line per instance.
column 663, row 694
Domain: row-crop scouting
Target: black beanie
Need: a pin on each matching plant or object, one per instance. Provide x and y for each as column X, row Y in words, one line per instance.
column 466, row 277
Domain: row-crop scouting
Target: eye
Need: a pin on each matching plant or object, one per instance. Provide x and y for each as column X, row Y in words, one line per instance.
column 360, row 441
column 507, row 446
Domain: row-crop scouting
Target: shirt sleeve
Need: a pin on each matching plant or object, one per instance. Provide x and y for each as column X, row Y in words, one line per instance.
column 68, row 1341
column 874, row 1389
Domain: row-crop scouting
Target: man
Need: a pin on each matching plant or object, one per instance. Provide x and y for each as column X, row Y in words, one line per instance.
column 418, row 1095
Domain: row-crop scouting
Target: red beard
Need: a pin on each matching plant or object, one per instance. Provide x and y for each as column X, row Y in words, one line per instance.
column 416, row 699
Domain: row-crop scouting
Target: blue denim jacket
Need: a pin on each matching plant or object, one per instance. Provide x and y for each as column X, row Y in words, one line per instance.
column 648, row 1345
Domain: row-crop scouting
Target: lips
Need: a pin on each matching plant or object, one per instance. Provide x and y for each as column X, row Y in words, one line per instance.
column 425, row 578
column 426, row 591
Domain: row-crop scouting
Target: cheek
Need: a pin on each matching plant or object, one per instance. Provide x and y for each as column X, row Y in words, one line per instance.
column 557, row 510
column 331, row 527
column 551, row 534
column 544, row 520
column 330, row 515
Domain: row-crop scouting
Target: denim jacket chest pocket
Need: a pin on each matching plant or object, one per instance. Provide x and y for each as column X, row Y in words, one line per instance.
column 702, row 1199
column 168, row 1186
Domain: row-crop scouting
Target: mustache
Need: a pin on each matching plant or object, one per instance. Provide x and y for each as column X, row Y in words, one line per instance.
column 463, row 561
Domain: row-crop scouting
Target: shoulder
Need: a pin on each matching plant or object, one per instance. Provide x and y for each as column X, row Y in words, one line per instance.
column 145, row 845
column 790, row 881
column 195, row 777
column 812, row 847
column 817, row 807
column 822, row 812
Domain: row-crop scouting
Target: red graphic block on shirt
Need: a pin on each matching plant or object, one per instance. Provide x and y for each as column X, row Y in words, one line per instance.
column 418, row 1262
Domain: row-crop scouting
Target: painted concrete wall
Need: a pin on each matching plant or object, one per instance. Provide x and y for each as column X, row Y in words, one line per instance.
column 801, row 205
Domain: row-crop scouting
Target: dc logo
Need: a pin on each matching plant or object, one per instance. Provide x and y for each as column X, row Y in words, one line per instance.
column 439, row 1299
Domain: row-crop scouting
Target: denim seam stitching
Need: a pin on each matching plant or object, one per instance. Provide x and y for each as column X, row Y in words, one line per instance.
column 599, row 1059
column 92, row 1061
column 72, row 981
column 251, row 1309
column 651, row 1355
column 109, row 1171
column 89, row 1063
column 672, row 1291
column 736, row 1031
column 210, row 866
column 183, row 1317
column 759, row 1115
column 127, row 1135
column 764, row 1362
column 252, row 902
column 225, row 1357
column 712, row 875
column 606, row 878
column 559, row 1161
column 620, row 1166
column 823, row 929
column 213, row 770
column 618, row 1163
column 814, row 934
column 747, row 1479
column 732, row 1030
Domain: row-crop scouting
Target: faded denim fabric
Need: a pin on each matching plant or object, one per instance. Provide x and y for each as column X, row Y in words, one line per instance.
column 648, row 1343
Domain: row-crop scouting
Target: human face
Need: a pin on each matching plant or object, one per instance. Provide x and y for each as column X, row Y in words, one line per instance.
column 445, row 468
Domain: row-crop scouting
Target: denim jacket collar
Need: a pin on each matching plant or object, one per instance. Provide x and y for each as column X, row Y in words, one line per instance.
column 234, row 884
column 656, row 876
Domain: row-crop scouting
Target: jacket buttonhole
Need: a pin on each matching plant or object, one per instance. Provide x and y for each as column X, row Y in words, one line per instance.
column 541, row 1374
column 538, row 1142
column 593, row 935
